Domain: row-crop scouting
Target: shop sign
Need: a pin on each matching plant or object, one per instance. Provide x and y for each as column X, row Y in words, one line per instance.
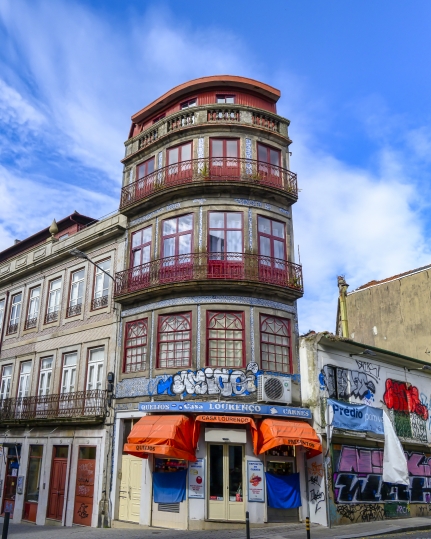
column 197, row 479
column 255, row 482
column 225, row 408
column 356, row 417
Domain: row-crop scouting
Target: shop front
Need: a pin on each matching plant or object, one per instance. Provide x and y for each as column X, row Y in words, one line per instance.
column 199, row 468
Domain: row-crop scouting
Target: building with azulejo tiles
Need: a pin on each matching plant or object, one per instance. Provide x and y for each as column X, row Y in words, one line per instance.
column 208, row 418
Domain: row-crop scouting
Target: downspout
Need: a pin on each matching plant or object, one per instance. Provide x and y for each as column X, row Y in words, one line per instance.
column 4, row 320
column 342, row 287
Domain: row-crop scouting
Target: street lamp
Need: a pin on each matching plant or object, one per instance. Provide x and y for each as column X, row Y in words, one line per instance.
column 80, row 254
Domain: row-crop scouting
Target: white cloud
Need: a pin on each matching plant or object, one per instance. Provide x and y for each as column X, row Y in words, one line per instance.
column 16, row 110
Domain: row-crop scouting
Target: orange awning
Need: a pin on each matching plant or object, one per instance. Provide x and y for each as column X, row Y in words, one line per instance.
column 237, row 420
column 169, row 435
column 275, row 432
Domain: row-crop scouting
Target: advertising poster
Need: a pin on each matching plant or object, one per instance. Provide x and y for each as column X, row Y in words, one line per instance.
column 197, row 479
column 255, row 482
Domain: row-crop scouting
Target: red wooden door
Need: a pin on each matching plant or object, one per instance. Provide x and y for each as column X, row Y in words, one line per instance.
column 83, row 507
column 57, row 488
column 224, row 161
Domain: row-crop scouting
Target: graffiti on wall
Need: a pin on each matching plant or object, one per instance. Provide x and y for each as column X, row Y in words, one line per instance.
column 404, row 397
column 361, row 513
column 359, row 383
column 315, row 478
column 226, row 382
column 358, row 477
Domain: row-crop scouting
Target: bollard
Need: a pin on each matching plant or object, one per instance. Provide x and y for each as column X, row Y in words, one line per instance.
column 5, row 525
column 307, row 526
column 247, row 524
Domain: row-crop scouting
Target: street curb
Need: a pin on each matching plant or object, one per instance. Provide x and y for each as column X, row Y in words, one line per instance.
column 385, row 532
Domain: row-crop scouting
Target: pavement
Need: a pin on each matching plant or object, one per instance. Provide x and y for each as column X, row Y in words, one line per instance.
column 269, row 531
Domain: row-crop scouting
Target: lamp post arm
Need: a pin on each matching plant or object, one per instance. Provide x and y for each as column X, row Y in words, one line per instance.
column 101, row 269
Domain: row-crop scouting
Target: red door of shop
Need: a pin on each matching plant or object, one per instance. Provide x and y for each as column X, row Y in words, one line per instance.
column 58, row 483
column 83, row 507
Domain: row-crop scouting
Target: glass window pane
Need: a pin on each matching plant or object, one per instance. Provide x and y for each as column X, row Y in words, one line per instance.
column 136, row 239
column 216, row 473
column 264, row 225
column 150, row 166
column 185, row 223
column 146, row 254
column 146, row 234
column 173, row 156
column 217, row 220
column 216, row 148
column 278, row 229
column 169, row 247
column 185, row 244
column 279, row 250
column 231, row 148
column 234, row 241
column 216, row 241
column 262, row 153
column 169, row 227
column 186, row 152
column 230, row 99
column 234, row 220
column 97, row 354
column 265, row 246
column 274, row 157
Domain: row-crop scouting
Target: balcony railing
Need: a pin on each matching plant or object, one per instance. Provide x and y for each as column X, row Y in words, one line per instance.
column 31, row 322
column 98, row 303
column 210, row 266
column 214, row 169
column 85, row 405
column 74, row 310
column 51, row 317
column 12, row 328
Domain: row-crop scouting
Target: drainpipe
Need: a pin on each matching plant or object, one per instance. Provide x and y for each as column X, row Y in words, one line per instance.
column 4, row 320
column 342, row 287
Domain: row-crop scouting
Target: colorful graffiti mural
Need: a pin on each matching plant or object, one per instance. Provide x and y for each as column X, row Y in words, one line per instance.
column 404, row 397
column 358, row 477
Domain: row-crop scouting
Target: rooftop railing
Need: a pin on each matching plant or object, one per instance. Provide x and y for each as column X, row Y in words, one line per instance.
column 210, row 169
column 210, row 267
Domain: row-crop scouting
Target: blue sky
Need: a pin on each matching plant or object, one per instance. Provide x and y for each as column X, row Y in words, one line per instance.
column 355, row 83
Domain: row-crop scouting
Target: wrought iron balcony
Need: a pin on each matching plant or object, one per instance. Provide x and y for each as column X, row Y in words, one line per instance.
column 211, row 267
column 74, row 310
column 77, row 407
column 209, row 171
column 12, row 328
column 98, row 303
column 31, row 322
column 51, row 317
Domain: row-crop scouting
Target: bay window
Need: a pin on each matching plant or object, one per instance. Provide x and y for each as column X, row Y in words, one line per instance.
column 224, row 154
column 225, row 245
column 179, row 163
column 177, row 246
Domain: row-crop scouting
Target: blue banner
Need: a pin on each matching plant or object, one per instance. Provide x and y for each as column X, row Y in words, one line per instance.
column 196, row 407
column 358, row 417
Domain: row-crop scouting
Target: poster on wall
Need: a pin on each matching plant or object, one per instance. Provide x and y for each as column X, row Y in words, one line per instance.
column 256, row 491
column 196, row 479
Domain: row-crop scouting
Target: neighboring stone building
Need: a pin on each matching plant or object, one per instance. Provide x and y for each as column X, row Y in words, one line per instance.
column 209, row 306
column 394, row 313
column 57, row 346
column 345, row 481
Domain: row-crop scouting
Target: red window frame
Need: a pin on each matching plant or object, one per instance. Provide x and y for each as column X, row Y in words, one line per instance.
column 145, row 177
column 182, row 169
column 239, row 316
column 130, row 350
column 268, row 150
column 140, row 246
column 277, row 347
column 187, row 103
column 176, row 361
column 269, row 172
column 224, row 165
column 177, row 235
column 271, row 237
column 225, row 264
column 159, row 117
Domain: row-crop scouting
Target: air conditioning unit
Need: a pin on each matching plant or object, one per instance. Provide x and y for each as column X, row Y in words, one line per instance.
column 274, row 389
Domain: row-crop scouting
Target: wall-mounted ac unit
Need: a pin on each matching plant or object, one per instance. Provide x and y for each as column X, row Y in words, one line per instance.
column 274, row 389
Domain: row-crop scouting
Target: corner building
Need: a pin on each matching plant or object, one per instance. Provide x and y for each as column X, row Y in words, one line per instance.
column 209, row 339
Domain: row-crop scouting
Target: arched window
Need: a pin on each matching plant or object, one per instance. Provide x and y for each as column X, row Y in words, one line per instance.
column 135, row 349
column 275, row 346
column 174, row 340
column 225, row 336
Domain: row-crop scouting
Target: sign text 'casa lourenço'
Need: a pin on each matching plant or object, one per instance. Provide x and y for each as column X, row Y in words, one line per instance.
column 224, row 408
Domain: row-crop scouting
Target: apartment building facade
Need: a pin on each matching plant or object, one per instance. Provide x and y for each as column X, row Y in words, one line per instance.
column 208, row 296
column 57, row 350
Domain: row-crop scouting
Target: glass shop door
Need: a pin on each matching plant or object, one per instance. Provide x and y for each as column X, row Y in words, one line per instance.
column 226, row 482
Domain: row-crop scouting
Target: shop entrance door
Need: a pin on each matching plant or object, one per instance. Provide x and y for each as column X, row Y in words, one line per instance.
column 130, row 488
column 281, row 466
column 58, row 482
column 11, row 479
column 84, row 490
column 226, row 482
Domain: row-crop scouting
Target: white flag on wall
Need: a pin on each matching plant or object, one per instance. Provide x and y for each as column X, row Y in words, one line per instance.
column 395, row 468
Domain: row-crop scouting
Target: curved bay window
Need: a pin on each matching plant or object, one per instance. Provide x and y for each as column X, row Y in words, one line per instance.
column 224, row 155
column 177, row 242
column 179, row 163
column 174, row 340
column 225, row 245
column 145, row 178
column 135, row 350
column 225, row 339
column 272, row 250
column 269, row 160
column 275, row 349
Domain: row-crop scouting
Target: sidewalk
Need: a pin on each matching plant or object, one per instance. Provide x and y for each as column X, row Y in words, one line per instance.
column 287, row 531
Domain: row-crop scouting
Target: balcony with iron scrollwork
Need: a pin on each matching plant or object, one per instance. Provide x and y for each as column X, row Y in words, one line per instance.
column 51, row 317
column 31, row 322
column 80, row 407
column 210, row 271
column 74, row 310
column 99, row 303
column 210, row 175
